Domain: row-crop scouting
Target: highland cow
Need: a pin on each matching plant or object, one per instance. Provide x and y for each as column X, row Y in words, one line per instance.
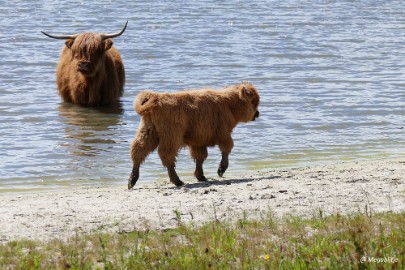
column 194, row 118
column 90, row 70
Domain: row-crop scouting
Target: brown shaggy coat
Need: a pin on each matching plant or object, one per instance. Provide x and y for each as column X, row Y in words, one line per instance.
column 90, row 71
column 195, row 118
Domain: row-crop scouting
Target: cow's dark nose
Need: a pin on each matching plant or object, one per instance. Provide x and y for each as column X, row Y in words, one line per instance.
column 84, row 66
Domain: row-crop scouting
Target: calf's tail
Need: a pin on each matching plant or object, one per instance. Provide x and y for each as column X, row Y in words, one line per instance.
column 145, row 102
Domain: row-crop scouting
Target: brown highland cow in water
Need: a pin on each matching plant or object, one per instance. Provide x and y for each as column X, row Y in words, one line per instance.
column 194, row 118
column 90, row 70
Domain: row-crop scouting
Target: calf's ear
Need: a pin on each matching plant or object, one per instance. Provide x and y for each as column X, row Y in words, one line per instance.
column 108, row 44
column 246, row 92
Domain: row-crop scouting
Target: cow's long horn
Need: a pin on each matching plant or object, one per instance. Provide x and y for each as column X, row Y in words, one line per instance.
column 105, row 36
column 60, row 37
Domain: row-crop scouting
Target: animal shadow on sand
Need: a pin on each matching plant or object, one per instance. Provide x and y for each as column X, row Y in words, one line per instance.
column 226, row 182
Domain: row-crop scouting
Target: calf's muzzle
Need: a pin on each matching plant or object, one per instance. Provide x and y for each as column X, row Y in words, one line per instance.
column 256, row 115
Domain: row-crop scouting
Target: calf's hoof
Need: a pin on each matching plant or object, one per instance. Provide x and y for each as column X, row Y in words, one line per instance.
column 220, row 172
column 132, row 180
column 131, row 184
column 202, row 178
column 177, row 182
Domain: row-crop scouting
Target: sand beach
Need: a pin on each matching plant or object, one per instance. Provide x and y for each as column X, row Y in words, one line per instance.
column 367, row 186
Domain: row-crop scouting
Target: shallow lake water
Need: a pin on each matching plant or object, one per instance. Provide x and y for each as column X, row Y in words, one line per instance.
column 330, row 76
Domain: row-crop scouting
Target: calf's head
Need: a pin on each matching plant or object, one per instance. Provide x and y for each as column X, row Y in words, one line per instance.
column 250, row 97
column 88, row 49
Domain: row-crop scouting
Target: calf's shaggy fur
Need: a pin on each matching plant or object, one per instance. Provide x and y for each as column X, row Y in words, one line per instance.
column 194, row 118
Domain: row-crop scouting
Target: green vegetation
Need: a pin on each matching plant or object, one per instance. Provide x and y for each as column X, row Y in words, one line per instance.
column 359, row 241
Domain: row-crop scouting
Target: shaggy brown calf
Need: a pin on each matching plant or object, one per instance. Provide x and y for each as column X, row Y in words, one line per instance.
column 90, row 70
column 195, row 118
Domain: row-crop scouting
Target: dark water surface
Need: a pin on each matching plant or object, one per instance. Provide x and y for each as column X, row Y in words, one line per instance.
column 330, row 75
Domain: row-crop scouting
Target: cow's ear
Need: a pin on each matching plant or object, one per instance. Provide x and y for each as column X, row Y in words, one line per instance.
column 69, row 43
column 107, row 44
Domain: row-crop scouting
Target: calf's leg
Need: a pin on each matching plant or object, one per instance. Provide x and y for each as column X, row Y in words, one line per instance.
column 199, row 154
column 223, row 165
column 167, row 153
column 145, row 142
column 174, row 178
column 225, row 145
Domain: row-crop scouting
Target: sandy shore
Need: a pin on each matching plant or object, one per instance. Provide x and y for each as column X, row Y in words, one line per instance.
column 348, row 187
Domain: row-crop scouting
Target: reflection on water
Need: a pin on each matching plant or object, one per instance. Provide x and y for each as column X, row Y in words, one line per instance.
column 89, row 130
